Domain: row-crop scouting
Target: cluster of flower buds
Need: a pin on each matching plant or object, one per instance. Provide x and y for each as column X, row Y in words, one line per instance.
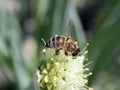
column 62, row 72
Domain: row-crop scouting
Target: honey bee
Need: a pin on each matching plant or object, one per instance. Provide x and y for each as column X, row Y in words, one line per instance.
column 65, row 43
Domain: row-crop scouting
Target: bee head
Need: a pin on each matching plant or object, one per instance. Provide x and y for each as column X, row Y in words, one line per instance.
column 75, row 53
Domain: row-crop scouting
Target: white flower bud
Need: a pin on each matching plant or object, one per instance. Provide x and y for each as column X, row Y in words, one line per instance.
column 61, row 72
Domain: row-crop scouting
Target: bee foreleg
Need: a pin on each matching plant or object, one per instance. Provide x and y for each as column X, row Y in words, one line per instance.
column 57, row 51
column 66, row 53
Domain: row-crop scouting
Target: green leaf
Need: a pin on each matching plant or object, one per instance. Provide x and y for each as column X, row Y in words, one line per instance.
column 12, row 41
column 53, row 21
column 105, row 42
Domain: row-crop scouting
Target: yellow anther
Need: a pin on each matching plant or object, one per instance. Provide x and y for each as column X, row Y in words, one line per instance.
column 85, row 52
column 52, row 59
column 85, row 76
column 89, row 73
column 56, row 35
column 85, row 81
column 44, row 50
column 88, row 44
column 86, row 69
column 76, row 42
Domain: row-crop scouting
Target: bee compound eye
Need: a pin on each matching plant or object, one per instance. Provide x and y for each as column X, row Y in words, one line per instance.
column 76, row 52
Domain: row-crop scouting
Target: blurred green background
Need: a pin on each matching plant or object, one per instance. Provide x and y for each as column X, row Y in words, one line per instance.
column 24, row 22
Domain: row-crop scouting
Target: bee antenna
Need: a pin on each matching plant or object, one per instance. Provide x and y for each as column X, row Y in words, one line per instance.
column 43, row 41
column 83, row 50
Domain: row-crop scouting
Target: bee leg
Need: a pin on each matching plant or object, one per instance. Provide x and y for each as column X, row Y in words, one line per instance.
column 66, row 53
column 57, row 51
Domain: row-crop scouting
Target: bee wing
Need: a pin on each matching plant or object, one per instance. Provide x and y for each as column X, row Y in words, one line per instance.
column 71, row 29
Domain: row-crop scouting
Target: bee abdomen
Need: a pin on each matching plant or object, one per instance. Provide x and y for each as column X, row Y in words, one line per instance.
column 53, row 42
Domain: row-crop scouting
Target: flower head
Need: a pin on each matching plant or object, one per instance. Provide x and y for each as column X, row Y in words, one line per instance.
column 61, row 72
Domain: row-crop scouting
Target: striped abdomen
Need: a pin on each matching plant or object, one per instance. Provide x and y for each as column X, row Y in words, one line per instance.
column 56, row 42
